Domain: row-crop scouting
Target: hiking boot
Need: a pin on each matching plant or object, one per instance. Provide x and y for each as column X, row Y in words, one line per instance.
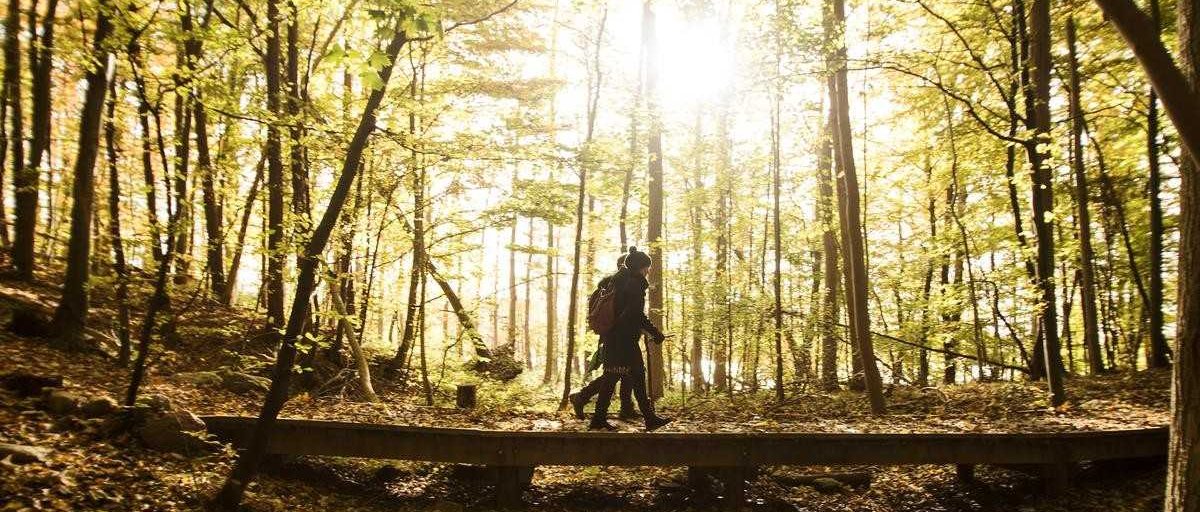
column 577, row 405
column 629, row 414
column 655, row 422
column 602, row 426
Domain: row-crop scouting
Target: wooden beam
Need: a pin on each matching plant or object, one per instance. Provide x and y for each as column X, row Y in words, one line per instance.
column 508, row 448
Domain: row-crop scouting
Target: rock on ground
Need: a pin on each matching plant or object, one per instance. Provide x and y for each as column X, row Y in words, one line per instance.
column 26, row 384
column 58, row 401
column 22, row 454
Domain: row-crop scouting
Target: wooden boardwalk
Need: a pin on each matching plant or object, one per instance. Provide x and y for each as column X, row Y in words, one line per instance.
column 729, row 456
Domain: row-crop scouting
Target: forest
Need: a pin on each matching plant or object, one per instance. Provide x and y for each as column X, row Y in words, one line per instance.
column 364, row 254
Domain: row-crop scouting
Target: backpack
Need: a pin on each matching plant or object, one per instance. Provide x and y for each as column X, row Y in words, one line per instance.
column 602, row 308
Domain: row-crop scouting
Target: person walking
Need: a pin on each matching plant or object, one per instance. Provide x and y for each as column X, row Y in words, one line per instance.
column 580, row 399
column 622, row 355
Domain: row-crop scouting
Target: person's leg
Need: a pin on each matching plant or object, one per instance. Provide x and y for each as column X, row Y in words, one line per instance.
column 627, row 409
column 653, row 420
column 608, row 383
column 585, row 395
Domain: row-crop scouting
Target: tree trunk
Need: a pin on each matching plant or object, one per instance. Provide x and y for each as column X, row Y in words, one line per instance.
column 829, row 307
column 360, row 359
column 851, row 219
column 214, row 227
column 248, row 462
column 275, row 202
column 654, row 230
column 1087, row 283
column 777, row 279
column 595, row 80
column 235, row 263
column 70, row 318
column 10, row 93
column 696, row 280
column 114, row 228
column 1183, row 466
column 185, row 63
column 26, row 174
column 1043, row 196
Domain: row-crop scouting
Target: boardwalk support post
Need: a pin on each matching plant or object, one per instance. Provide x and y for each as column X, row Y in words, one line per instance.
column 697, row 477
column 1056, row 477
column 510, row 482
column 734, row 479
column 965, row 473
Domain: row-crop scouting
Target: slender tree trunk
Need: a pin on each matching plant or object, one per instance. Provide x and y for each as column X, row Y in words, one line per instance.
column 415, row 304
column 15, row 115
column 511, row 330
column 634, row 117
column 275, row 201
column 147, row 150
column 723, row 328
column 1158, row 356
column 214, row 227
column 248, row 462
column 114, row 228
column 160, row 301
column 352, row 338
column 551, row 352
column 696, row 267
column 235, row 263
column 851, row 221
column 70, row 318
column 526, row 346
column 182, row 158
column 550, row 368
column 829, row 308
column 777, row 279
column 595, row 80
column 1043, row 196
column 927, row 288
column 654, row 230
column 1087, row 290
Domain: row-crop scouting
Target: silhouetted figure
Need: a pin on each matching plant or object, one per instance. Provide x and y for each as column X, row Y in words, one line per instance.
column 585, row 395
column 622, row 355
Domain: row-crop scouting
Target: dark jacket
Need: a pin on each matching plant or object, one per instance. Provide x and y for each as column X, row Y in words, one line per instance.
column 622, row 353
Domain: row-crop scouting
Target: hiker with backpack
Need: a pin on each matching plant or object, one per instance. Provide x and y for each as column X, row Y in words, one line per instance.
column 602, row 296
column 619, row 316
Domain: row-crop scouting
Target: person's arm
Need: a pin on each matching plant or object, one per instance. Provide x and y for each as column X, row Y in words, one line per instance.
column 635, row 312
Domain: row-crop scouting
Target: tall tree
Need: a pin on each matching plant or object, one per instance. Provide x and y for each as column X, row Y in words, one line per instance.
column 850, row 213
column 26, row 180
column 829, row 302
column 776, row 216
column 1183, row 467
column 70, row 318
column 654, row 230
column 12, row 98
column 1043, row 196
column 114, row 227
column 1159, row 349
column 595, row 80
column 1087, row 282
column 276, row 257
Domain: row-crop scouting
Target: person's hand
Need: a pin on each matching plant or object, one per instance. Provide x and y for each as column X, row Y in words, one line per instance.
column 658, row 337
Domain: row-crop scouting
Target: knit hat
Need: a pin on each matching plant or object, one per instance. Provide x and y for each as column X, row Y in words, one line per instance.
column 636, row 260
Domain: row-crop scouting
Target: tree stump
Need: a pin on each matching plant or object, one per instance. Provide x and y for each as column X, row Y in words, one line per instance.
column 464, row 397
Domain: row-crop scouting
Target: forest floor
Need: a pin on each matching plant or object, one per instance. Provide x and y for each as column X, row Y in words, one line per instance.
column 88, row 471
